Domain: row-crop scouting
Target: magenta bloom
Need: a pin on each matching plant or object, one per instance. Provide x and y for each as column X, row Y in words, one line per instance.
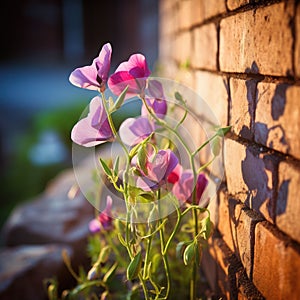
column 155, row 99
column 183, row 188
column 133, row 73
column 132, row 131
column 175, row 174
column 158, row 166
column 93, row 129
column 104, row 220
column 94, row 77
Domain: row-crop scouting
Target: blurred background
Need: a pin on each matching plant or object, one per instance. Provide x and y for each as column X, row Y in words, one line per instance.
column 42, row 41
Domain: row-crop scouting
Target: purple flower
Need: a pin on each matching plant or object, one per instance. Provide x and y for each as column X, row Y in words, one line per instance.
column 94, row 77
column 158, row 167
column 104, row 220
column 132, row 131
column 133, row 73
column 93, row 129
column 155, row 99
column 184, row 187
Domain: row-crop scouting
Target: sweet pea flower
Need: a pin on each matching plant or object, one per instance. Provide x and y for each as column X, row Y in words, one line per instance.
column 157, row 169
column 104, row 220
column 175, row 174
column 184, row 187
column 93, row 129
column 133, row 73
column 94, row 77
column 155, row 99
column 133, row 131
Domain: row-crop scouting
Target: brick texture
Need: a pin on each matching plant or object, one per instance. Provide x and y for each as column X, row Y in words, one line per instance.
column 236, row 224
column 248, row 39
column 213, row 90
column 288, row 210
column 242, row 106
column 205, row 47
column 233, row 4
column 242, row 57
column 276, row 270
column 297, row 42
column 277, row 120
column 183, row 48
column 251, row 177
column 185, row 12
column 202, row 10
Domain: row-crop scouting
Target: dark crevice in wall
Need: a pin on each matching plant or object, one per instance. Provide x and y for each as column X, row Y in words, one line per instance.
column 263, row 148
column 259, row 77
column 217, row 18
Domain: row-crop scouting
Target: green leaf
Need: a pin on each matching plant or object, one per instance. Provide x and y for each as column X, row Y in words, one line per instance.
column 105, row 167
column 145, row 197
column 116, row 166
column 223, row 130
column 206, row 227
column 216, row 146
column 134, row 267
column 198, row 254
column 189, row 254
column 134, row 150
column 104, row 254
column 156, row 262
column 120, row 99
column 110, row 272
column 180, row 247
column 179, row 97
column 122, row 241
column 142, row 159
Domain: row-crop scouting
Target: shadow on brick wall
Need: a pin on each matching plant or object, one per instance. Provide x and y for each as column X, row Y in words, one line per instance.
column 260, row 166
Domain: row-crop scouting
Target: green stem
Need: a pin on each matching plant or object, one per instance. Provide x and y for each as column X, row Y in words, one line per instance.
column 173, row 232
column 163, row 252
column 204, row 144
column 149, row 241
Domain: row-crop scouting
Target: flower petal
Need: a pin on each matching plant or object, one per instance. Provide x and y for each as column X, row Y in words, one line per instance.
column 132, row 131
column 95, row 76
column 93, row 129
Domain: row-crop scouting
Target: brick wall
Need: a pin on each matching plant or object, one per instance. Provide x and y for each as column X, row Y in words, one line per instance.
column 243, row 58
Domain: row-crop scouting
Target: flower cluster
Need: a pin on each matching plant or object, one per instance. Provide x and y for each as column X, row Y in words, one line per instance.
column 151, row 170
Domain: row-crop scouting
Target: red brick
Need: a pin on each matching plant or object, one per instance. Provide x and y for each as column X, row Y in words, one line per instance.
column 251, row 176
column 236, row 224
column 185, row 12
column 225, row 267
column 203, row 10
column 205, row 47
column 277, row 120
column 212, row 89
column 297, row 43
column 182, row 50
column 225, row 224
column 288, row 204
column 233, row 4
column 260, row 41
column 276, row 271
column 242, row 94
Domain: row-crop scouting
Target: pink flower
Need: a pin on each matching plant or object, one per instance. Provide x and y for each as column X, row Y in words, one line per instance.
column 183, row 188
column 175, row 174
column 93, row 129
column 158, row 167
column 155, row 99
column 94, row 77
column 104, row 220
column 133, row 73
column 132, row 131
